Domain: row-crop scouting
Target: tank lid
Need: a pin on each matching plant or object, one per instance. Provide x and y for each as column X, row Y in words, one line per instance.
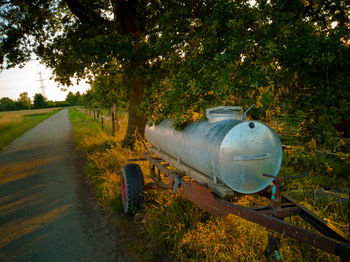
column 220, row 113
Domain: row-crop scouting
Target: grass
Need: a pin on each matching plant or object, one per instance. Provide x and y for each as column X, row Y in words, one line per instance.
column 170, row 227
column 15, row 123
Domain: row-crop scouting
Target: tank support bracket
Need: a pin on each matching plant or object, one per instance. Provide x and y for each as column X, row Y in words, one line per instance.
column 177, row 184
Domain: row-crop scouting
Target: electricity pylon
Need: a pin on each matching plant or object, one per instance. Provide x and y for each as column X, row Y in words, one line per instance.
column 41, row 80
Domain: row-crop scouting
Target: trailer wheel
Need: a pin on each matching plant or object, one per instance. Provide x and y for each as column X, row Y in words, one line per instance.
column 131, row 184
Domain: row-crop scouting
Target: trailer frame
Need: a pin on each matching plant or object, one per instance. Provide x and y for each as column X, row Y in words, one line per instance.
column 207, row 195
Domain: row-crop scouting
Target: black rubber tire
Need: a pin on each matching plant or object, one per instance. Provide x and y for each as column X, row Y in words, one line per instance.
column 132, row 184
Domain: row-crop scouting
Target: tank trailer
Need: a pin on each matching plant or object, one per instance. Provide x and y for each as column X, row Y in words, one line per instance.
column 221, row 156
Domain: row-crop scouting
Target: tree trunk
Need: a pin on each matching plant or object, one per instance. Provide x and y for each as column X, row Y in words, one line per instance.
column 136, row 119
column 127, row 18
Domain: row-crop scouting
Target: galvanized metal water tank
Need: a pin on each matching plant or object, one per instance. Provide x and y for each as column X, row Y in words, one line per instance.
column 225, row 147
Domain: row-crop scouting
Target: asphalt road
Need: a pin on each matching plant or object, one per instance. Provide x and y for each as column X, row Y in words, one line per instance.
column 45, row 211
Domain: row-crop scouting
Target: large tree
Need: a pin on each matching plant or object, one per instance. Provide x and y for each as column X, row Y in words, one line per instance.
column 75, row 37
column 24, row 102
column 71, row 99
column 39, row 101
column 281, row 55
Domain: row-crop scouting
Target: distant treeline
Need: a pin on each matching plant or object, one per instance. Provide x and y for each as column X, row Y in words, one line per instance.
column 24, row 102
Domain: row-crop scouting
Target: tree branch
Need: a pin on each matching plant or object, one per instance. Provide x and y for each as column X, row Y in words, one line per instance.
column 126, row 11
column 85, row 14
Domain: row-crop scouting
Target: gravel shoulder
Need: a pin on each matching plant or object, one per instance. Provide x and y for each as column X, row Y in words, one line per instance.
column 47, row 210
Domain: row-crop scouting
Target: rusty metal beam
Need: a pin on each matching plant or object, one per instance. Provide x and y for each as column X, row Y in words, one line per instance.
column 204, row 199
column 286, row 210
column 317, row 222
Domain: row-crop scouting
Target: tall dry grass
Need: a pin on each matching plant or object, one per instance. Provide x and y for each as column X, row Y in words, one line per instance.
column 28, row 112
column 10, row 118
column 15, row 123
column 6, row 118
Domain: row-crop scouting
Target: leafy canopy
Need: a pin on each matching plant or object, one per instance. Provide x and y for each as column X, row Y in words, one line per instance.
column 287, row 57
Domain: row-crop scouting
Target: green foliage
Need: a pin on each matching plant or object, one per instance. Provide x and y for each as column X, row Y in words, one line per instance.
column 268, row 54
column 39, row 101
column 70, row 99
column 74, row 100
column 108, row 87
column 324, row 171
column 6, row 104
column 24, row 102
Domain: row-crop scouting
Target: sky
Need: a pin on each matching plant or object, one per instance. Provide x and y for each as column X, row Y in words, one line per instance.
column 18, row 80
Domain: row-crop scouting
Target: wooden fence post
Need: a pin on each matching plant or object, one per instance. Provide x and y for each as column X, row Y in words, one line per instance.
column 115, row 119
column 113, row 124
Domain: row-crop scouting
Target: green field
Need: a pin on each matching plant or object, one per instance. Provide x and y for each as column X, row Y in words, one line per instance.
column 170, row 226
column 15, row 123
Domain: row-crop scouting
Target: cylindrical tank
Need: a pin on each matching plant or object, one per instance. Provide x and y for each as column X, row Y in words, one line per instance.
column 225, row 147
